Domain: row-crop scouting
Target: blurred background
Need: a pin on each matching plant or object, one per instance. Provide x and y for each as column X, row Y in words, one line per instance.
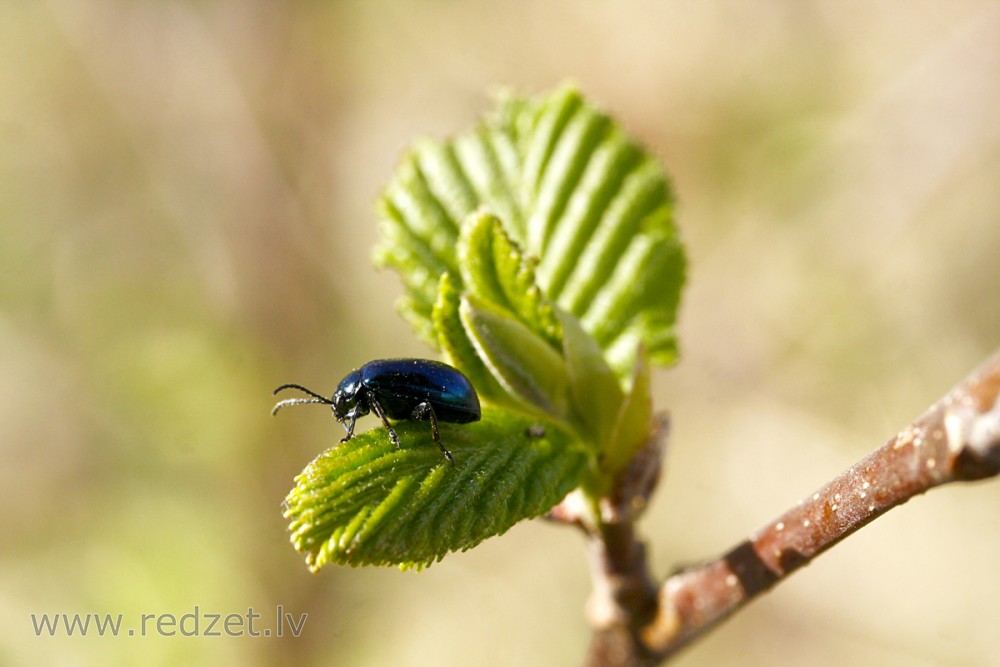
column 186, row 210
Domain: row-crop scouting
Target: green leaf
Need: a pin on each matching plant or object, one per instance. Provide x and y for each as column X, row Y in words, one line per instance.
column 494, row 269
column 366, row 503
column 595, row 391
column 524, row 364
column 501, row 330
column 633, row 422
column 575, row 192
column 458, row 348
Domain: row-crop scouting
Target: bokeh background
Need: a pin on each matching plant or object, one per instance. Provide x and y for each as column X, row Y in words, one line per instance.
column 185, row 222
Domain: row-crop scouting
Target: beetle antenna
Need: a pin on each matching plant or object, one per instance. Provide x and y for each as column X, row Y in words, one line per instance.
column 297, row 401
column 312, row 393
column 316, row 398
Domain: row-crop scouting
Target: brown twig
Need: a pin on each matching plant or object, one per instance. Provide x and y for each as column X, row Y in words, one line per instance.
column 957, row 439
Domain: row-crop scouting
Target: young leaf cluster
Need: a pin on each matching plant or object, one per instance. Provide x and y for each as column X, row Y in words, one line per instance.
column 538, row 253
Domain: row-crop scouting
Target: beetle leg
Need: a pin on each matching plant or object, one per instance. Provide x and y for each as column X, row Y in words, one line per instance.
column 349, row 427
column 425, row 409
column 377, row 409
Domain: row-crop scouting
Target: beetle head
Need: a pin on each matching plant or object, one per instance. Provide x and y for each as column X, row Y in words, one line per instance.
column 341, row 405
column 350, row 400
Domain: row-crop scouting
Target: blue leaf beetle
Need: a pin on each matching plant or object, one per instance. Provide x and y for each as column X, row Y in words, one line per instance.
column 399, row 389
